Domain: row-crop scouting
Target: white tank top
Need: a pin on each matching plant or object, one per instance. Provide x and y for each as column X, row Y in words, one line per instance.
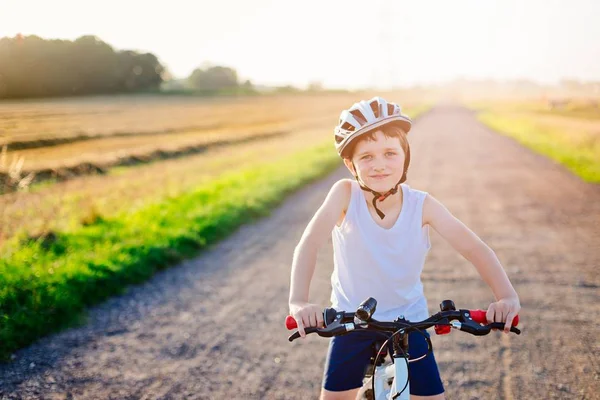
column 371, row 261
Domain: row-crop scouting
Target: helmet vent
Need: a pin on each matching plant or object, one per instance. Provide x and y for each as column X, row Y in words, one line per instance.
column 348, row 126
column 390, row 108
column 375, row 107
column 359, row 117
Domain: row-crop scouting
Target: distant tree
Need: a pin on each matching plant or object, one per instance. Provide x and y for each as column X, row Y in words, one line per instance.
column 31, row 66
column 213, row 79
column 138, row 71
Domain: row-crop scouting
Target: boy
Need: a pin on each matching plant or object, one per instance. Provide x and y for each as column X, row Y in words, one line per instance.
column 380, row 235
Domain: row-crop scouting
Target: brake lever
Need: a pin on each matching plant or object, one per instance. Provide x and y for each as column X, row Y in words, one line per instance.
column 296, row 335
column 325, row 332
column 480, row 330
column 334, row 328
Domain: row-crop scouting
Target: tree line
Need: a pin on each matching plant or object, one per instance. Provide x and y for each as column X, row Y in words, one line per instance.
column 31, row 66
column 34, row 67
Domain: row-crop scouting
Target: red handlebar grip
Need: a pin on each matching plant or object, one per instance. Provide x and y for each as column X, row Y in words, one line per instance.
column 479, row 316
column 290, row 323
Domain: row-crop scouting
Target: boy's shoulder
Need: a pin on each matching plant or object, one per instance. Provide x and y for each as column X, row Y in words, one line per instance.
column 417, row 193
column 344, row 184
column 342, row 190
column 413, row 189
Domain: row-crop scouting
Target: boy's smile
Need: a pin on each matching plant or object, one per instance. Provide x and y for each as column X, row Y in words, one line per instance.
column 379, row 176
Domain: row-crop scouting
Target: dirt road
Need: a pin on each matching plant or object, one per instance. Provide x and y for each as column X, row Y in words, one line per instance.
column 212, row 328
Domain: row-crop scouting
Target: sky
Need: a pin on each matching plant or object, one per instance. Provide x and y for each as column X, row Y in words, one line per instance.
column 341, row 44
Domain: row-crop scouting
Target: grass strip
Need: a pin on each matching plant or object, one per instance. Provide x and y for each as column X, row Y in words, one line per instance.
column 46, row 283
column 580, row 153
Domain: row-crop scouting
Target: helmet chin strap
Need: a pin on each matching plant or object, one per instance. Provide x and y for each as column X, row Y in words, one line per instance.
column 377, row 195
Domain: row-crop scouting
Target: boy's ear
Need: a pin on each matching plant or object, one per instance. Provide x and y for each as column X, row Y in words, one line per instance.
column 349, row 165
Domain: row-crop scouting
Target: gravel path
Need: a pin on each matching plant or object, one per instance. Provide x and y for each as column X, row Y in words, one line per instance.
column 212, row 328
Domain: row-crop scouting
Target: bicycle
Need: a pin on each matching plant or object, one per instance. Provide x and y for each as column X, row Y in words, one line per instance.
column 381, row 376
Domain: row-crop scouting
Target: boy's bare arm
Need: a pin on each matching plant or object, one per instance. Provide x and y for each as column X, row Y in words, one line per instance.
column 315, row 234
column 470, row 246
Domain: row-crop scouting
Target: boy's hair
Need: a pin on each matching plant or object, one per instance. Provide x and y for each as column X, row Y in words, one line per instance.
column 390, row 131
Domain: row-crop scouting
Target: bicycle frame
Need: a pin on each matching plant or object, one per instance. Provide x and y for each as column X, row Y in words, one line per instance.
column 400, row 368
column 382, row 374
column 398, row 371
column 400, row 375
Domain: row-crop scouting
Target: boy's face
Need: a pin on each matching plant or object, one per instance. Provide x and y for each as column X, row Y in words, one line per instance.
column 379, row 163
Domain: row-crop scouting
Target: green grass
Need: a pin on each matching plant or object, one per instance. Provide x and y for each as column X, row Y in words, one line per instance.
column 573, row 112
column 578, row 151
column 46, row 283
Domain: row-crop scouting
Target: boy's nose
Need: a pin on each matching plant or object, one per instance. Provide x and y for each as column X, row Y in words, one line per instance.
column 378, row 165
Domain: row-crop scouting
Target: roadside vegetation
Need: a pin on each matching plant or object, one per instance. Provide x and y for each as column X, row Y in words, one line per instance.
column 567, row 131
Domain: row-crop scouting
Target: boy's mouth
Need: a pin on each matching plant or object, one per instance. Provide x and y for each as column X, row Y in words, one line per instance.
column 381, row 176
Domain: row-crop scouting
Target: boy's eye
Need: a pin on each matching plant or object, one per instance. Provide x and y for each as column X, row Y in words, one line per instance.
column 391, row 153
column 365, row 157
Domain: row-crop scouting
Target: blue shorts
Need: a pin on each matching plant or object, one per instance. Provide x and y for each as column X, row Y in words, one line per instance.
column 349, row 355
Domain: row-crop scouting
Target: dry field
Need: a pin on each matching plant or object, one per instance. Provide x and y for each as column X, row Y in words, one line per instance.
column 102, row 130
column 180, row 142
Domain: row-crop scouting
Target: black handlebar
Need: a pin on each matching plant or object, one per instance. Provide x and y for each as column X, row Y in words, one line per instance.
column 341, row 322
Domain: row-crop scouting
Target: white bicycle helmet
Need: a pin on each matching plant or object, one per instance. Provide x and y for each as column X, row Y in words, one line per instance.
column 364, row 117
